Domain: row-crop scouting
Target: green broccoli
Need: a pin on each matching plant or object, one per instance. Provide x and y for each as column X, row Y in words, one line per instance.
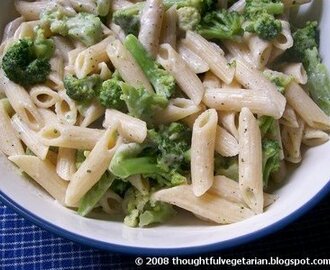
column 279, row 79
column 133, row 158
column 188, row 18
column 81, row 156
column 129, row 18
column 227, row 166
column 120, row 186
column 266, row 125
column 305, row 49
column 265, row 26
column 83, row 90
column 270, row 159
column 255, row 7
column 318, row 79
column 304, row 38
column 26, row 62
column 110, row 95
column 141, row 211
column 162, row 81
column 141, row 104
column 85, row 27
column 260, row 17
column 103, row 7
column 173, row 143
column 221, row 25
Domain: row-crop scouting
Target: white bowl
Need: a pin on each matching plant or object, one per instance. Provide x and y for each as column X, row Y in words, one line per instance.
column 184, row 235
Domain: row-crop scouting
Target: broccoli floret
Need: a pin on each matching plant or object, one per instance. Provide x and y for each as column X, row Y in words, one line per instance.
column 110, row 95
column 141, row 104
column 173, row 143
column 221, row 25
column 141, row 211
column 162, row 81
column 255, row 7
column 85, row 27
column 279, row 79
column 119, row 186
column 304, row 39
column 83, row 90
column 188, row 18
column 131, row 159
column 227, row 166
column 26, row 62
column 265, row 26
column 270, row 158
column 129, row 18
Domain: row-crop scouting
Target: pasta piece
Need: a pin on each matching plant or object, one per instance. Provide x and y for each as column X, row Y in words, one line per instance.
column 48, row 116
column 260, row 49
column 119, row 4
column 290, row 3
column 56, row 76
column 202, row 151
column 306, row 107
column 70, row 136
column 223, row 99
column 63, row 46
column 66, row 109
column 208, row 206
column 10, row 145
column 93, row 112
column 225, row 143
column 276, row 53
column 88, row 60
column 238, row 6
column 297, row 71
column 43, row 96
column 240, row 50
column 150, row 25
column 190, row 120
column 229, row 189
column 194, row 61
column 32, row 10
column 291, row 139
column 188, row 81
column 252, row 78
column 119, row 33
column 30, row 138
column 21, row 103
column 105, row 72
column 111, row 203
column 289, row 117
column 284, row 40
column 177, row 109
column 11, row 28
column 91, row 170
column 250, row 161
column 131, row 128
column 228, row 121
column 43, row 172
column 211, row 81
column 141, row 184
column 313, row 137
column 66, row 163
column 26, row 30
column 168, row 32
column 217, row 62
column 126, row 65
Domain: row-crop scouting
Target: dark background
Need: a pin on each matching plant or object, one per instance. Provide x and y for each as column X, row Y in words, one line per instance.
column 308, row 236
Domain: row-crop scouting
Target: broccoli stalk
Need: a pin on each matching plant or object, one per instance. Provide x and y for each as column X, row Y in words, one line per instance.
column 162, row 81
column 26, row 62
column 82, row 90
column 273, row 7
column 270, row 158
column 142, row 104
column 127, row 162
column 221, row 25
column 266, row 125
column 318, row 79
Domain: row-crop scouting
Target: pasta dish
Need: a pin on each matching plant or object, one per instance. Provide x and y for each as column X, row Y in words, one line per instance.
column 136, row 108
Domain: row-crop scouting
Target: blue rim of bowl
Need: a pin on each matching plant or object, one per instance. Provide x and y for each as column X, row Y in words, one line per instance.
column 166, row 251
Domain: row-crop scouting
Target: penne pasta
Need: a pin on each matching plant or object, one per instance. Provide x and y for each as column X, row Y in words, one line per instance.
column 91, row 170
column 131, row 128
column 209, row 206
column 188, row 81
column 169, row 28
column 250, row 161
column 66, row 163
column 225, row 143
column 43, row 172
column 202, row 151
column 313, row 137
column 297, row 71
column 43, row 96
